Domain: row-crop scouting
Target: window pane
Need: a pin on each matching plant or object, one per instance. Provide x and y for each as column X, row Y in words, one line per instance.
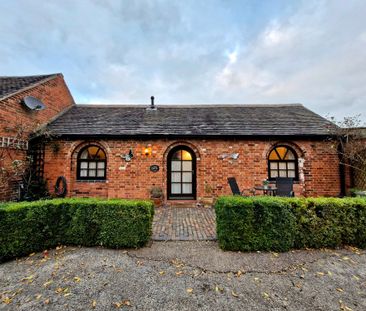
column 186, row 155
column 187, row 165
column 176, row 166
column 291, row 174
column 282, row 165
column 274, row 174
column 93, row 151
column 92, row 173
column 83, row 164
column 83, row 173
column 273, row 165
column 187, row 177
column 273, row 155
column 100, row 155
column 283, row 174
column 100, row 173
column 101, row 164
column 187, row 188
column 176, row 188
column 291, row 165
column 176, row 177
column 177, row 155
column 93, row 165
column 84, row 155
column 290, row 155
column 281, row 151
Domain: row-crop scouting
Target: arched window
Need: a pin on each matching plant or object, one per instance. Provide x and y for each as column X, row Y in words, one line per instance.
column 282, row 162
column 91, row 163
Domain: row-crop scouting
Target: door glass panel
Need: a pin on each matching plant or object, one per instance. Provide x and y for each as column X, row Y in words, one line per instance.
column 187, row 165
column 176, row 165
column 290, row 155
column 273, row 165
column 282, row 165
column 283, row 174
column 83, row 173
column 187, row 177
column 281, row 151
column 92, row 173
column 273, row 155
column 92, row 165
column 291, row 165
column 176, row 188
column 274, row 173
column 83, row 164
column 101, row 164
column 187, row 188
column 291, row 174
column 176, row 177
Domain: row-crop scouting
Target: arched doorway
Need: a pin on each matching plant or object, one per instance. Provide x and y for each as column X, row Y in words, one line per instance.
column 181, row 173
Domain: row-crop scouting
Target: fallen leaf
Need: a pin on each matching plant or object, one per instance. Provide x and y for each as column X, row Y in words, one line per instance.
column 94, row 304
column 218, row 289
column 275, row 254
column 47, row 283
column 356, row 277
column 162, row 272
column 179, row 273
column 32, row 254
column 59, row 290
column 265, row 295
column 340, row 289
column 47, row 301
column 7, row 300
column 77, row 279
column 189, row 290
column 320, row 273
column 239, row 273
column 38, row 296
column 67, row 294
column 234, row 294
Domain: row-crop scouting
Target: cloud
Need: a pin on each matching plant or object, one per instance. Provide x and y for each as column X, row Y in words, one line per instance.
column 193, row 52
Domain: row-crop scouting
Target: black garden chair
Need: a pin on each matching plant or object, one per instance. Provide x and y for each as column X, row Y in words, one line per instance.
column 235, row 188
column 285, row 187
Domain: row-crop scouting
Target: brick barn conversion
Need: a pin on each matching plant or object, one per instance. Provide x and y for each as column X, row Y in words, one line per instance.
column 187, row 151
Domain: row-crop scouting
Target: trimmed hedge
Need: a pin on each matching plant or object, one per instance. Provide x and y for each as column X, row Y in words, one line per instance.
column 279, row 224
column 33, row 226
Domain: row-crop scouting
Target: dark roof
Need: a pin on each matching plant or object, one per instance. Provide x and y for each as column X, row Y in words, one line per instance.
column 199, row 120
column 10, row 85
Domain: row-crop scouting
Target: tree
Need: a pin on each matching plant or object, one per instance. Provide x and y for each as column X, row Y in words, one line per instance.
column 349, row 137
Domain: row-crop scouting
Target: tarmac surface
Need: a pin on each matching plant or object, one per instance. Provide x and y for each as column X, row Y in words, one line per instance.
column 184, row 275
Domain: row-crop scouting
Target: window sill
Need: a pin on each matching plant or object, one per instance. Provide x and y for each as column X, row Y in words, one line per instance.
column 91, row 180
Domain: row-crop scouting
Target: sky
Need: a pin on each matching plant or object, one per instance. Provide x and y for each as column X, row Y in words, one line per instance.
column 194, row 52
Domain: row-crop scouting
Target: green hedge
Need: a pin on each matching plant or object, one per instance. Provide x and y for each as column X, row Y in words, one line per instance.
column 279, row 224
column 33, row 226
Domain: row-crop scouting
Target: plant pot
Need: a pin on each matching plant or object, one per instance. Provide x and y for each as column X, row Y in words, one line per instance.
column 207, row 202
column 158, row 202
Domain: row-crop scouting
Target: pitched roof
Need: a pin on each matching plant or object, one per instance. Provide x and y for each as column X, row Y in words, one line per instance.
column 11, row 85
column 198, row 120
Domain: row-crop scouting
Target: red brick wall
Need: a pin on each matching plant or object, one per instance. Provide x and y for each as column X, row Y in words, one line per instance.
column 318, row 167
column 56, row 96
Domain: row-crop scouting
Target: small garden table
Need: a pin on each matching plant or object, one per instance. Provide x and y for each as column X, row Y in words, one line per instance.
column 267, row 190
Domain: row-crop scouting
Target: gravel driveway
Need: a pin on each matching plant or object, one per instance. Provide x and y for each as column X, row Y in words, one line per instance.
column 184, row 276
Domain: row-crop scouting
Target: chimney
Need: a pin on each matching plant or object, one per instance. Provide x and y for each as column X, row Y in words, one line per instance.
column 152, row 105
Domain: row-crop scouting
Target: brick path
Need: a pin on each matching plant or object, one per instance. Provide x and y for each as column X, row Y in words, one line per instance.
column 184, row 224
